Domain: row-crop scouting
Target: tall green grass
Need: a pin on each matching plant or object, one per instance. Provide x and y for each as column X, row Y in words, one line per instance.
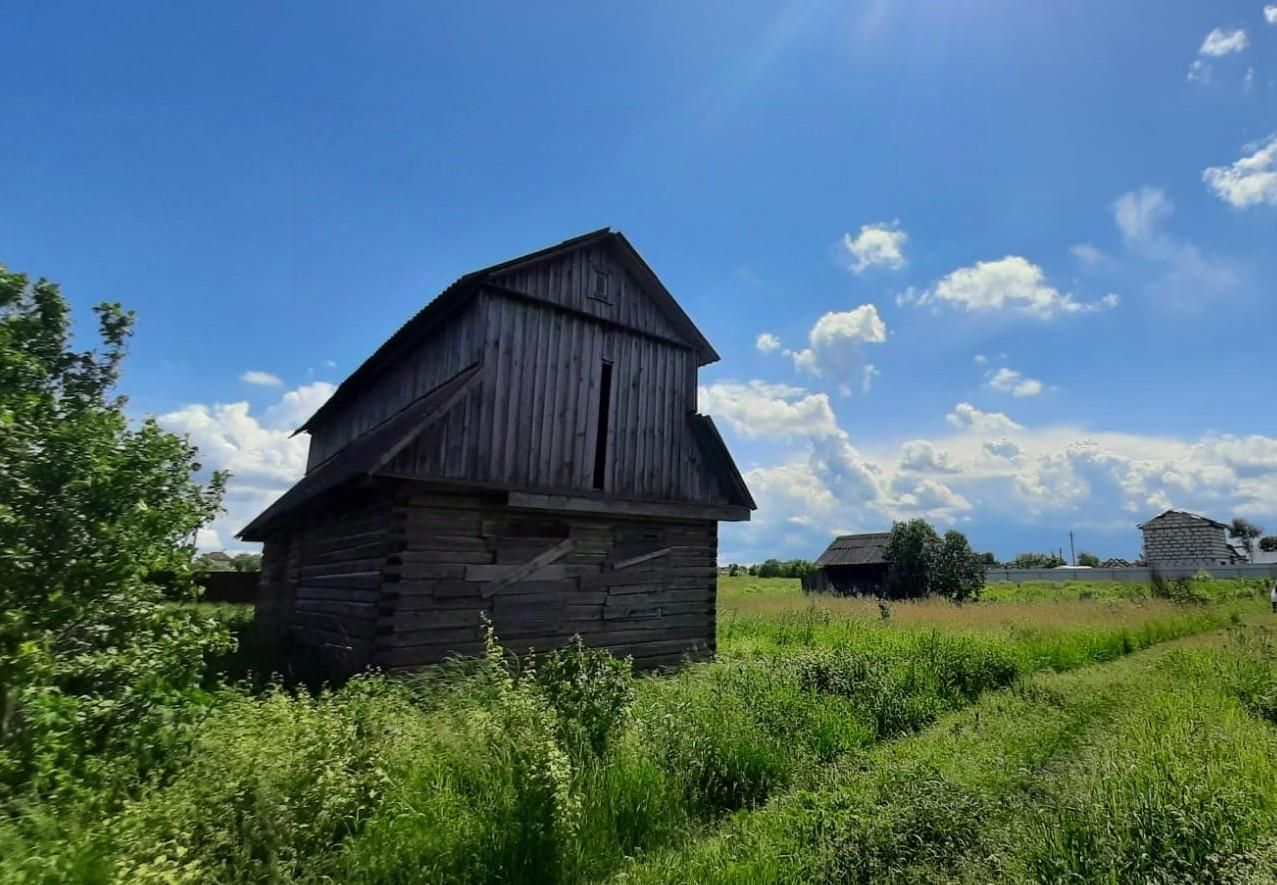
column 1148, row 770
column 570, row 769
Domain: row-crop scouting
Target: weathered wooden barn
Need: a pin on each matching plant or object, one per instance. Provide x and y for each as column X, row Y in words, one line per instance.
column 525, row 448
column 1179, row 538
column 852, row 564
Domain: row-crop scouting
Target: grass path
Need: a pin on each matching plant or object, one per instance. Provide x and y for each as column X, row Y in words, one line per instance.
column 1143, row 769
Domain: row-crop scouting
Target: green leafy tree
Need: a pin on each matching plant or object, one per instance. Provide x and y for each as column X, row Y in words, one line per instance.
column 247, row 562
column 911, row 554
column 989, row 559
column 1268, row 544
column 1085, row 558
column 1245, row 531
column 91, row 506
column 1038, row 560
column 957, row 572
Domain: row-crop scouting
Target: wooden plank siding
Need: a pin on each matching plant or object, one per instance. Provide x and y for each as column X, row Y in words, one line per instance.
column 453, row 345
column 533, row 421
column 568, row 280
column 456, row 552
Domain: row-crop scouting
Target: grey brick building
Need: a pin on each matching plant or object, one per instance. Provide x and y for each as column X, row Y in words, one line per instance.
column 1178, row 538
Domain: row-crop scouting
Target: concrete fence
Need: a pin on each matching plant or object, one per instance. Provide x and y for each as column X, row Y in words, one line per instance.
column 1133, row 575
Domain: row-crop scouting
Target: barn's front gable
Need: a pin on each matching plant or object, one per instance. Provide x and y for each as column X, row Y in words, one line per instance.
column 529, row 450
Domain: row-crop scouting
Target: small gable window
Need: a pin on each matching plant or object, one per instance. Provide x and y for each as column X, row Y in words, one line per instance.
column 600, row 285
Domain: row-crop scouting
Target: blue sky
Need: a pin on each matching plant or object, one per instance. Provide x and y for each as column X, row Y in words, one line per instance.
column 1049, row 228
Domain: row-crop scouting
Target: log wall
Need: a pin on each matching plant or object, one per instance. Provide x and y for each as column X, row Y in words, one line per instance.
column 644, row 588
column 321, row 583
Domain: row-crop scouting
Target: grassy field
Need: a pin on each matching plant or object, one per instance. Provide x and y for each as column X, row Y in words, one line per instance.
column 1071, row 734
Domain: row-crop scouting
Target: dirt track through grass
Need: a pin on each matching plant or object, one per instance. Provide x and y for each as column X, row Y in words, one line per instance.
column 1145, row 769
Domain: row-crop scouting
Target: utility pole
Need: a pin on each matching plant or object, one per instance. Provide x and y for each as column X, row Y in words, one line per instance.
column 1072, row 552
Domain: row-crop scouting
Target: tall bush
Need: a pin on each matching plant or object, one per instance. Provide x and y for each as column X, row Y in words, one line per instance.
column 959, row 571
column 91, row 505
column 911, row 556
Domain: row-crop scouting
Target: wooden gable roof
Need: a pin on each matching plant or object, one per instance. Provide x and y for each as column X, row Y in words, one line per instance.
column 466, row 287
column 866, row 549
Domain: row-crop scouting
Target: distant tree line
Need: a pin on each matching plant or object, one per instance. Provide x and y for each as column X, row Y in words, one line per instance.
column 774, row 568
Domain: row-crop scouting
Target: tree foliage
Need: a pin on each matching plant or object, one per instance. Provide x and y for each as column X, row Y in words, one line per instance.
column 920, row 563
column 911, row 555
column 1038, row 560
column 1268, row 544
column 1086, row 558
column 790, row 568
column 1246, row 532
column 958, row 571
column 91, row 505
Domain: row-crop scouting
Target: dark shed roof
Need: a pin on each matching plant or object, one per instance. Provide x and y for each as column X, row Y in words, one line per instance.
column 467, row 286
column 867, row 549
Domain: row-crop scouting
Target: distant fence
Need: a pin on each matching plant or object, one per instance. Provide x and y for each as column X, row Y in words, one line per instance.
column 1133, row 575
column 229, row 586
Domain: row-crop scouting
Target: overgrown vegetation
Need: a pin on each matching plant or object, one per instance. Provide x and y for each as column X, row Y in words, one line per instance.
column 98, row 673
column 568, row 767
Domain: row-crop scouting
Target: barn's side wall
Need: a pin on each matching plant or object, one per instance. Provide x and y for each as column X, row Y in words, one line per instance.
column 455, row 551
column 1179, row 539
column 321, row 580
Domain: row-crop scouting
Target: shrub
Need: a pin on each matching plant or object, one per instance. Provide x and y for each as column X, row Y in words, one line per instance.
column 591, row 692
column 958, row 572
column 91, row 505
column 911, row 556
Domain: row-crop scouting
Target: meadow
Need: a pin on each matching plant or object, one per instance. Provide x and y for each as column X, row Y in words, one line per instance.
column 1064, row 733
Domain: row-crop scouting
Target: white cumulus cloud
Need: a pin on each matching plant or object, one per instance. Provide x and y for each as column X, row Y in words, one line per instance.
column 1220, row 42
column 261, row 379
column 1006, row 380
column 1250, row 181
column 876, row 245
column 1012, row 284
column 1270, row 14
column 263, row 457
column 967, row 417
column 923, row 456
column 835, row 344
column 767, row 342
column 759, row 409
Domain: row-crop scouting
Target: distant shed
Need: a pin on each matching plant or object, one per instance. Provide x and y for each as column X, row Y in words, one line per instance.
column 852, row 564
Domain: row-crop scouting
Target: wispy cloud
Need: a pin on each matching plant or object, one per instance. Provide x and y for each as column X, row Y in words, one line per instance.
column 261, row 379
column 1183, row 276
column 1220, row 42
